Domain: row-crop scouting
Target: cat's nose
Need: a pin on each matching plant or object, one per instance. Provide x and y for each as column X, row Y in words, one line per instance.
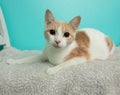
column 57, row 42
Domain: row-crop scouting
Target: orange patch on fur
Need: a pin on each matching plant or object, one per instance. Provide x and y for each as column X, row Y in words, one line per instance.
column 82, row 39
column 109, row 43
column 78, row 52
column 67, row 28
column 83, row 44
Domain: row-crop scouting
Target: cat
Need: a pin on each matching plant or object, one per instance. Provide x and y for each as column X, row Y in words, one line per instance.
column 68, row 46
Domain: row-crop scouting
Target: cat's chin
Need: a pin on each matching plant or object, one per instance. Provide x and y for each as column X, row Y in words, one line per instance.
column 57, row 47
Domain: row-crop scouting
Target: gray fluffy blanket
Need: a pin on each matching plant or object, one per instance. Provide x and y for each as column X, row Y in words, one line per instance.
column 93, row 78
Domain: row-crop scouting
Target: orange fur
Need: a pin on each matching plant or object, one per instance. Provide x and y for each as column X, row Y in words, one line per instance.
column 82, row 39
column 83, row 44
column 109, row 43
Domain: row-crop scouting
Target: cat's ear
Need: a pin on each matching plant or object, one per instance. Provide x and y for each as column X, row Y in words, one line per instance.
column 74, row 23
column 49, row 18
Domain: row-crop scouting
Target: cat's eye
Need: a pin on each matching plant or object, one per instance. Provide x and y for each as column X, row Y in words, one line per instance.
column 52, row 32
column 66, row 34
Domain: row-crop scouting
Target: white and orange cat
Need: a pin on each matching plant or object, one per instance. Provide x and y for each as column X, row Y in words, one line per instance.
column 68, row 46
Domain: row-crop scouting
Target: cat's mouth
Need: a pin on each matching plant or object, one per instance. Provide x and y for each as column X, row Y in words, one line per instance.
column 56, row 46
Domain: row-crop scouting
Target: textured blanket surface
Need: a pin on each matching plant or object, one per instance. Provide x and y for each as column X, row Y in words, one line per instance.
column 92, row 78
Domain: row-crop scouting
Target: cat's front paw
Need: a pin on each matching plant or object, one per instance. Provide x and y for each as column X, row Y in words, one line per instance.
column 12, row 61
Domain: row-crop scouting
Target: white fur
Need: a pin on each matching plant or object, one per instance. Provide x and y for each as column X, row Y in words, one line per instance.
column 98, row 50
column 74, row 61
column 59, row 34
column 98, row 47
column 57, row 55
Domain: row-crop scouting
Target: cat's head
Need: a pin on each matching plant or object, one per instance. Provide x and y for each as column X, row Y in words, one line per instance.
column 60, row 34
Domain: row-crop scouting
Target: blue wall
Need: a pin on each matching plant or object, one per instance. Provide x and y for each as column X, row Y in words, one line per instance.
column 25, row 18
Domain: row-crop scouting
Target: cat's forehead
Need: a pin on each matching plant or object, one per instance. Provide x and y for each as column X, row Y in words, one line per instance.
column 61, row 24
column 64, row 26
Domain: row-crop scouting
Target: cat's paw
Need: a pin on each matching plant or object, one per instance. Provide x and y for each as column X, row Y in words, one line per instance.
column 12, row 61
column 51, row 71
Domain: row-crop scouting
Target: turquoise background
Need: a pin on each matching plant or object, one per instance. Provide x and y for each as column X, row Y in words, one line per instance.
column 25, row 18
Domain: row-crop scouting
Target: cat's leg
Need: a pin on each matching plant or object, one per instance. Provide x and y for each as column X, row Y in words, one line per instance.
column 37, row 58
column 74, row 61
